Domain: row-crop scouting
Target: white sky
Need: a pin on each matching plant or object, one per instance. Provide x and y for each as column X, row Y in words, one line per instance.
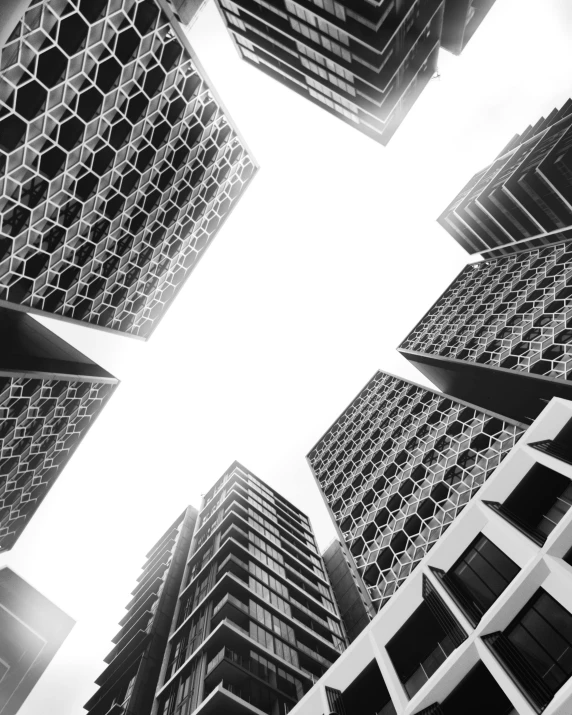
column 329, row 260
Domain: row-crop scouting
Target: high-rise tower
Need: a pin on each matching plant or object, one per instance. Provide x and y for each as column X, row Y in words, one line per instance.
column 120, row 162
column 256, row 622
column 32, row 629
column 501, row 335
column 365, row 62
column 397, row 467
column 524, row 198
column 127, row 685
column 50, row 394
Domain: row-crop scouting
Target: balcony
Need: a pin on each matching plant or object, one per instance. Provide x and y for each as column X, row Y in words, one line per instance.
column 538, row 503
column 424, row 642
column 536, row 649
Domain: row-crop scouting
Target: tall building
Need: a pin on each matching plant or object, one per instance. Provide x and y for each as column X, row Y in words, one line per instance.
column 365, row 62
column 460, row 22
column 32, row 629
column 524, row 198
column 256, row 622
column 501, row 335
column 484, row 625
column 188, row 10
column 119, row 161
column 396, row 469
column 127, row 685
column 50, row 394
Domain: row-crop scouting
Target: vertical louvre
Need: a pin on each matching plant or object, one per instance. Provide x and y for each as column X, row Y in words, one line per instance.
column 442, row 614
column 335, row 701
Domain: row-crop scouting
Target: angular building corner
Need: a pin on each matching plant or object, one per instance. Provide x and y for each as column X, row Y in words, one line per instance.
column 127, row 685
column 32, row 629
column 364, row 62
column 50, row 395
column 120, row 162
column 500, row 336
column 524, row 198
column 484, row 624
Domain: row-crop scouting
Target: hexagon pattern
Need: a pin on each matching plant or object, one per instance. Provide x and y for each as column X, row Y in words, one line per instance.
column 397, row 467
column 41, row 424
column 117, row 163
column 512, row 312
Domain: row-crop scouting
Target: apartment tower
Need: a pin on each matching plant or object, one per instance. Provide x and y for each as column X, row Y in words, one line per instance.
column 50, row 395
column 364, row 62
column 524, row 198
column 396, row 469
column 127, row 685
column 120, row 162
column 256, row 622
column 484, row 625
column 500, row 336
column 32, row 629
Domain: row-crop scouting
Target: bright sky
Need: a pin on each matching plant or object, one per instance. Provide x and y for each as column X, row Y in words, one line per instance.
column 330, row 258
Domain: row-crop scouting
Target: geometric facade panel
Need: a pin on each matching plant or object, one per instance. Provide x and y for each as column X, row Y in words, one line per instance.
column 513, row 312
column 42, row 421
column 118, row 164
column 396, row 469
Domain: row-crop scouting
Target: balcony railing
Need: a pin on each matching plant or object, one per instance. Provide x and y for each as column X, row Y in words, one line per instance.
column 529, row 682
column 233, row 601
column 560, row 450
column 428, row 666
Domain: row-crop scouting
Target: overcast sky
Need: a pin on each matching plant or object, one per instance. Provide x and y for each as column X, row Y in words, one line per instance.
column 328, row 261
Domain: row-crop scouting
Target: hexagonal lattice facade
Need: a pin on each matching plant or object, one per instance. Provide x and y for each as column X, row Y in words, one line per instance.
column 397, row 467
column 513, row 312
column 522, row 198
column 42, row 422
column 118, row 164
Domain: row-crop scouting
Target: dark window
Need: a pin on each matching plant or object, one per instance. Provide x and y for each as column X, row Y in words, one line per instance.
column 419, row 648
column 368, row 694
column 482, row 574
column 478, row 694
column 568, row 557
column 538, row 503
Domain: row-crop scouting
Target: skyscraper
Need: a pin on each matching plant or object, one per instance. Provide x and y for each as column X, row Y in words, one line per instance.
column 484, row 625
column 364, row 62
column 127, row 685
column 256, row 622
column 395, row 470
column 500, row 336
column 524, row 198
column 32, row 629
column 50, row 394
column 120, row 161
column 461, row 20
column 188, row 10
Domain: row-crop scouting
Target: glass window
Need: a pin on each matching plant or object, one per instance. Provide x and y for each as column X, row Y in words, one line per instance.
column 483, row 573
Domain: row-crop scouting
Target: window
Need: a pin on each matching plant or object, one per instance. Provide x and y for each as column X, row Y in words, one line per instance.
column 542, row 633
column 480, row 576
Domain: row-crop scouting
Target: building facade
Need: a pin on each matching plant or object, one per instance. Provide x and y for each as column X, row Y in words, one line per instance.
column 120, row 162
column 460, row 22
column 32, row 629
column 188, row 10
column 501, row 335
column 256, row 623
column 127, row 685
column 397, row 468
column 484, row 625
column 50, row 395
column 364, row 62
column 524, row 198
